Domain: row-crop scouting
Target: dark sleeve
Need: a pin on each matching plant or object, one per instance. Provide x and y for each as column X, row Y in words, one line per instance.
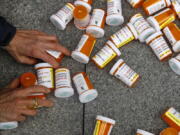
column 7, row 32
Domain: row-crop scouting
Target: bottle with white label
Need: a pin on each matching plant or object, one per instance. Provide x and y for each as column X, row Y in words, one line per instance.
column 136, row 3
column 57, row 55
column 142, row 132
column 84, row 87
column 176, row 7
column 63, row 83
column 86, row 3
column 174, row 64
column 8, row 125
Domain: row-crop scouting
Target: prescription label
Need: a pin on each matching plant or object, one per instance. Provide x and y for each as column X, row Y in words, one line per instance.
column 97, row 17
column 114, row 7
column 133, row 2
column 82, row 42
column 55, row 54
column 169, row 36
column 176, row 6
column 173, row 115
column 96, row 130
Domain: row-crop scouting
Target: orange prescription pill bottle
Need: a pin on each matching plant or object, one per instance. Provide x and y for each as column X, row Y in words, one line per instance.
column 142, row 132
column 123, row 72
column 81, row 17
column 57, row 55
column 136, row 3
column 97, row 23
column 159, row 46
column 124, row 35
column 106, row 55
column 45, row 75
column 176, row 7
column 86, row 3
column 174, row 64
column 103, row 126
column 142, row 27
column 169, row 131
column 172, row 32
column 153, row 6
column 63, row 83
column 8, row 125
column 63, row 16
column 84, row 87
column 172, row 118
column 84, row 49
column 114, row 13
column 162, row 19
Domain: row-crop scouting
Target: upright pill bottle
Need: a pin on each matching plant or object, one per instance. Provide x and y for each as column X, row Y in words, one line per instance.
column 106, row 55
column 142, row 27
column 8, row 125
column 97, row 22
column 63, row 16
column 63, row 83
column 142, row 132
column 172, row 32
column 123, row 72
column 153, row 6
column 103, row 126
column 162, row 19
column 84, row 49
column 84, row 87
column 169, row 131
column 45, row 75
column 86, row 3
column 174, row 64
column 57, row 55
column 136, row 3
column 114, row 13
column 81, row 17
column 124, row 35
column 159, row 46
column 176, row 7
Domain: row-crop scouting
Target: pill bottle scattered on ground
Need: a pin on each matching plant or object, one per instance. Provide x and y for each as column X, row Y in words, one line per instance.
column 153, row 6
column 142, row 132
column 172, row 32
column 63, row 16
column 8, row 125
column 63, row 83
column 57, row 55
column 45, row 75
column 106, row 55
column 114, row 13
column 81, row 17
column 97, row 22
column 124, row 35
column 142, row 27
column 84, row 87
column 169, row 131
column 176, row 7
column 159, row 46
column 84, row 49
column 172, row 118
column 174, row 64
column 123, row 72
column 136, row 3
column 162, row 19
column 86, row 3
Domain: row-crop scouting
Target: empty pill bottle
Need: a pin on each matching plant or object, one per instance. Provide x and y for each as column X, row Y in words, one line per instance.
column 174, row 64
column 97, row 22
column 114, row 13
column 106, row 55
column 172, row 32
column 153, row 6
column 169, row 131
column 8, row 125
column 162, row 19
column 86, row 3
column 136, row 3
column 124, row 35
column 142, row 27
column 45, row 75
column 103, row 126
column 159, row 46
column 172, row 118
column 84, row 87
column 142, row 132
column 63, row 83
column 123, row 72
column 57, row 55
column 63, row 16
column 81, row 17
column 176, row 7
column 84, row 49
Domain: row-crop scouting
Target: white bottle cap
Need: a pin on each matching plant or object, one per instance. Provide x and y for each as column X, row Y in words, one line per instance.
column 114, row 20
column 116, row 65
column 64, row 92
column 142, row 132
column 133, row 30
column 58, row 22
column 88, row 96
column 95, row 31
column 82, row 3
column 80, row 57
column 105, row 119
column 176, row 46
column 8, row 125
column 111, row 44
column 175, row 65
column 152, row 21
column 153, row 36
column 41, row 65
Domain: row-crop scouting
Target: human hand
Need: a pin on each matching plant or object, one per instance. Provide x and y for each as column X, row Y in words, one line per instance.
column 28, row 45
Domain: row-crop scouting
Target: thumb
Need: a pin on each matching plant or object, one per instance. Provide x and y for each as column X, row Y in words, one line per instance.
column 28, row 60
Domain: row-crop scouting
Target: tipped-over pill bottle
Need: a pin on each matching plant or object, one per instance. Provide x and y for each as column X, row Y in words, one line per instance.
column 162, row 19
column 63, row 83
column 136, row 3
column 172, row 32
column 63, row 16
column 84, row 87
column 142, row 132
column 142, row 27
column 159, row 46
column 174, row 64
column 176, row 7
column 172, row 118
column 84, row 49
column 106, row 55
column 153, row 6
column 114, row 13
column 8, row 125
column 86, row 3
column 57, row 55
column 124, row 35
column 169, row 131
column 103, row 126
column 45, row 75
column 81, row 17
column 97, row 22
column 123, row 72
